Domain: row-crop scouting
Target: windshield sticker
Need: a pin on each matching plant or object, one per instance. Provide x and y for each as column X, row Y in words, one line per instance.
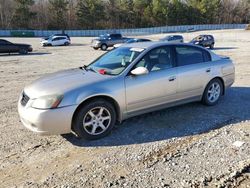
column 136, row 49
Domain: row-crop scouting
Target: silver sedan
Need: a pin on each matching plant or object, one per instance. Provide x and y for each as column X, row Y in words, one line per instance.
column 131, row 80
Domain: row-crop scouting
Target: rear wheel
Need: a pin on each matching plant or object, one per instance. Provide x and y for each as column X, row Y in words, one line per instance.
column 104, row 47
column 23, row 51
column 95, row 48
column 94, row 120
column 212, row 92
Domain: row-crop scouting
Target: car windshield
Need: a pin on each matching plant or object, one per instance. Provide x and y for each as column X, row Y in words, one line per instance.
column 115, row 61
column 166, row 38
column 131, row 41
column 105, row 36
column 199, row 38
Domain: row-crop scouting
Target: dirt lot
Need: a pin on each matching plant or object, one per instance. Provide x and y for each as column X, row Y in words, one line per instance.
column 186, row 146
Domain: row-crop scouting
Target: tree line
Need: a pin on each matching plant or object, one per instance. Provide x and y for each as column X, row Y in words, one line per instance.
column 105, row 14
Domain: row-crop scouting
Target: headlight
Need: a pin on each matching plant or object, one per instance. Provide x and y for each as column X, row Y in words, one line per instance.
column 47, row 102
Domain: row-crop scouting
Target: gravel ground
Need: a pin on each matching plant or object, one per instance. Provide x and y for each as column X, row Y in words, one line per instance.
column 186, row 146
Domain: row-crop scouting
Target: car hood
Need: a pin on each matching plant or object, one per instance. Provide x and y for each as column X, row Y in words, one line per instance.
column 99, row 39
column 45, row 40
column 62, row 82
column 194, row 41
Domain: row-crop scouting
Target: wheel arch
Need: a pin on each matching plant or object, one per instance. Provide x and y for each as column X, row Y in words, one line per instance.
column 105, row 44
column 222, row 81
column 105, row 97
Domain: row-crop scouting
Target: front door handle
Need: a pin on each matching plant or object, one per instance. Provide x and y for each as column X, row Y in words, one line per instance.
column 172, row 78
column 208, row 70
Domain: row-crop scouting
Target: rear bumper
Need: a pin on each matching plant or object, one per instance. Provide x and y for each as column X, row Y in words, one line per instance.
column 228, row 80
column 46, row 122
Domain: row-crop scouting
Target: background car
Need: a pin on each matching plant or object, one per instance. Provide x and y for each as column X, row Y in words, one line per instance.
column 57, row 35
column 127, row 81
column 8, row 47
column 204, row 40
column 56, row 41
column 173, row 38
column 108, row 40
column 133, row 40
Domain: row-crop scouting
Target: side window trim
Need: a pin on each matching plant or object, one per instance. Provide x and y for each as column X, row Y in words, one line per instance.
column 203, row 55
column 172, row 53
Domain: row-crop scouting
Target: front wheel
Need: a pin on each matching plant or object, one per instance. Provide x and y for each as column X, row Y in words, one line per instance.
column 212, row 46
column 104, row 47
column 94, row 120
column 212, row 92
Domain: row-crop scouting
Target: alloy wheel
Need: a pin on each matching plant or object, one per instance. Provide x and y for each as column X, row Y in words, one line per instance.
column 97, row 120
column 213, row 93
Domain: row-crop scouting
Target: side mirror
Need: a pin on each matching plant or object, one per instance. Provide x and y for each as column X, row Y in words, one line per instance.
column 139, row 71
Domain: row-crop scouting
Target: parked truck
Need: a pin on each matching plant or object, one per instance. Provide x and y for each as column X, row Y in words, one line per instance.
column 107, row 40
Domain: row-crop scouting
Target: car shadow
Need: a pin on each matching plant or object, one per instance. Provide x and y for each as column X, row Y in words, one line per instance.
column 224, row 48
column 180, row 121
column 78, row 44
column 29, row 54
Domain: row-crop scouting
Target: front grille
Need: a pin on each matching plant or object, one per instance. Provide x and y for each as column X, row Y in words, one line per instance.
column 24, row 99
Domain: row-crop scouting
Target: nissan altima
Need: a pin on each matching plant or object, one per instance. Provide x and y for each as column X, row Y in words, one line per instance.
column 134, row 79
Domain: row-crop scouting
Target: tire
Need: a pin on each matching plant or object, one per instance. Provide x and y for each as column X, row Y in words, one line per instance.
column 211, row 96
column 95, row 48
column 66, row 44
column 89, row 124
column 104, row 47
column 23, row 51
column 212, row 46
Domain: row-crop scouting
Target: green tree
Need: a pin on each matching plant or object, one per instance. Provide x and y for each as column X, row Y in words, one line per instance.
column 58, row 10
column 208, row 10
column 90, row 13
column 160, row 9
column 22, row 14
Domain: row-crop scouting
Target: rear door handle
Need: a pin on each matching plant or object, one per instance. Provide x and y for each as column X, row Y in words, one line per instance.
column 208, row 70
column 172, row 78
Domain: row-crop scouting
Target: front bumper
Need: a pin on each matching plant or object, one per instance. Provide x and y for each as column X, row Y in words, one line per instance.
column 44, row 43
column 47, row 122
column 96, row 44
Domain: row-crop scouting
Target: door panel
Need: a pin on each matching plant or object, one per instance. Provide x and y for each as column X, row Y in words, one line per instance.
column 193, row 72
column 13, row 48
column 155, row 88
column 192, row 79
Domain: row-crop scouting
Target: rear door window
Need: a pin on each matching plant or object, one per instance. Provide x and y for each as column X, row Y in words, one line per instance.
column 188, row 55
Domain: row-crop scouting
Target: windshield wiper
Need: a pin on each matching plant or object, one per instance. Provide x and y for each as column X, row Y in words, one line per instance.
column 91, row 69
column 84, row 67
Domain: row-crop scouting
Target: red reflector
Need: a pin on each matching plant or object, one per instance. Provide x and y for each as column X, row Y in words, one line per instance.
column 102, row 71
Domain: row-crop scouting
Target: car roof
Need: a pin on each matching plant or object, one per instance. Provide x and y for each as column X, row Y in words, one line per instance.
column 59, row 37
column 174, row 36
column 146, row 45
column 206, row 35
